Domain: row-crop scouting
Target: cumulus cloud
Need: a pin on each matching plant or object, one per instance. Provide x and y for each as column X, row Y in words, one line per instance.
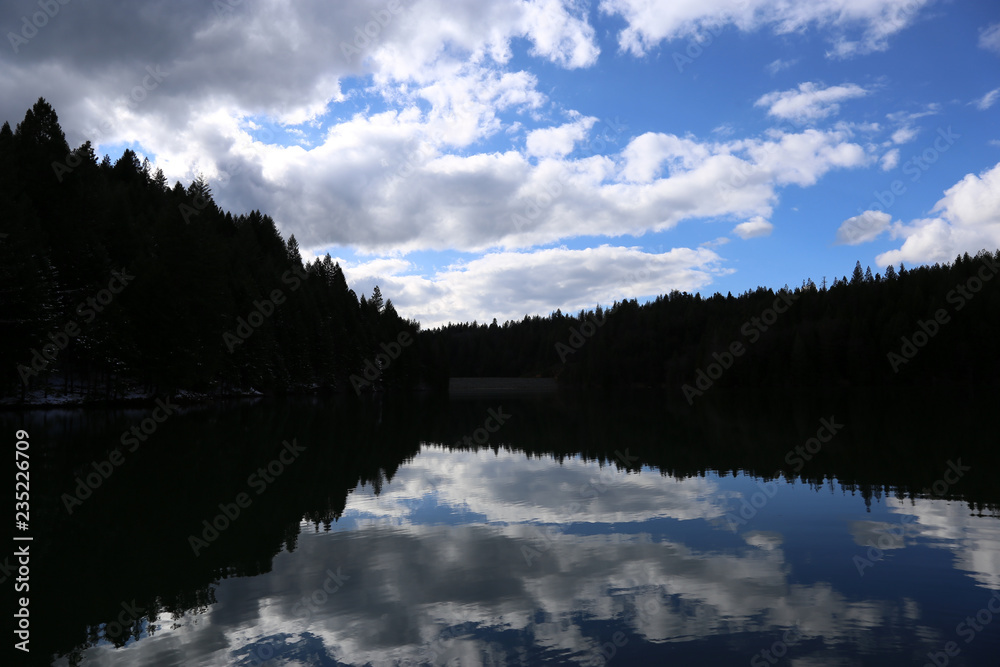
column 756, row 226
column 509, row 285
column 809, row 101
column 558, row 34
column 645, row 155
column 558, row 141
column 858, row 27
column 212, row 64
column 373, row 137
column 387, row 182
column 889, row 161
column 904, row 135
column 968, row 220
column 863, row 228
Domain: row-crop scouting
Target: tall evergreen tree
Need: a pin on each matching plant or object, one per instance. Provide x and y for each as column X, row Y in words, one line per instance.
column 858, row 276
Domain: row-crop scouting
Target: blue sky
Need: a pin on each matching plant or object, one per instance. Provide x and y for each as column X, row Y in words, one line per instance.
column 481, row 160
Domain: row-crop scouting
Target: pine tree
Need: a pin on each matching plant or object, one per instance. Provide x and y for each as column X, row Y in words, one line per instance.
column 199, row 191
column 375, row 302
column 858, row 276
column 292, row 251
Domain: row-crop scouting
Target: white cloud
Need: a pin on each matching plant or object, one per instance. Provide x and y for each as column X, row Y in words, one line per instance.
column 988, row 100
column 753, row 228
column 653, row 586
column 415, row 174
column 803, row 157
column 973, row 541
column 564, row 39
column 904, row 134
column 904, row 121
column 647, row 153
column 650, row 22
column 557, row 142
column 809, row 101
column 889, row 161
column 778, row 65
column 509, row 285
column 516, row 493
column 863, row 228
column 451, row 50
column 386, row 183
column 968, row 220
column 989, row 38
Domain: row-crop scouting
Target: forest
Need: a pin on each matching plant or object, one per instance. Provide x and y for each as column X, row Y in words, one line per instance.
column 923, row 326
column 114, row 284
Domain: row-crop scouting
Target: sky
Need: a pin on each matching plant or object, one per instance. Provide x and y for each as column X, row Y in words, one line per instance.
column 507, row 158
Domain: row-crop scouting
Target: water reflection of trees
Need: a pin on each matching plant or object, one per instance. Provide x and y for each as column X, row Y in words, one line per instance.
column 129, row 541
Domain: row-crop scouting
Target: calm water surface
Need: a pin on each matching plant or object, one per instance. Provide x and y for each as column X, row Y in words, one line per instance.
column 581, row 530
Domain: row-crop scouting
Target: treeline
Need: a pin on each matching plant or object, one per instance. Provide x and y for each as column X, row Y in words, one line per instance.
column 932, row 324
column 114, row 283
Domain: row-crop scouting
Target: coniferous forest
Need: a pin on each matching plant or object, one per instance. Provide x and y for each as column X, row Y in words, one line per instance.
column 910, row 327
column 116, row 284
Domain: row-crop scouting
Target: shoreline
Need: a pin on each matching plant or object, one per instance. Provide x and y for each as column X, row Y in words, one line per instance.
column 460, row 387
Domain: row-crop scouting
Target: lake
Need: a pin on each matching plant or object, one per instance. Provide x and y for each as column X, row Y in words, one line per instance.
column 563, row 528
